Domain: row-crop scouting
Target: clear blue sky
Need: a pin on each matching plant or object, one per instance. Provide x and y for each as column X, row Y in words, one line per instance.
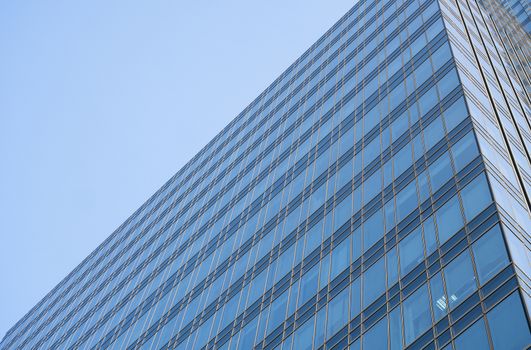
column 102, row 101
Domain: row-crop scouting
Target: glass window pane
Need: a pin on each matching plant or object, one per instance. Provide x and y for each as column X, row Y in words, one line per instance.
column 373, row 229
column 440, row 172
column 476, row 196
column 416, row 309
column 303, row 336
column 373, row 282
column 508, row 325
column 490, row 254
column 395, row 330
column 440, row 307
column 337, row 313
column 449, row 219
column 411, row 251
column 464, row 151
column 474, row 337
column 376, row 337
column 355, row 298
column 460, row 280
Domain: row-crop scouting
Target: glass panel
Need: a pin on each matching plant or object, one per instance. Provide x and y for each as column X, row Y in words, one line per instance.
column 411, row 251
column 303, row 336
column 508, row 325
column 355, row 298
column 474, row 337
column 417, row 317
column 460, row 280
column 376, row 337
column 395, row 329
column 476, row 196
column 373, row 282
column 449, row 219
column 440, row 307
column 464, row 151
column 337, row 313
column 490, row 254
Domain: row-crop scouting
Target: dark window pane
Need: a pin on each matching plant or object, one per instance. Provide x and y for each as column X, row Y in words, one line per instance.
column 476, row 197
column 411, row 251
column 449, row 219
column 416, row 309
column 376, row 337
column 490, row 254
column 460, row 280
column 474, row 337
column 373, row 282
column 508, row 325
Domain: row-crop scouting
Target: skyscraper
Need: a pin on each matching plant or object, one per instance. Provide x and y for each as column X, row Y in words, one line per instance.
column 376, row 196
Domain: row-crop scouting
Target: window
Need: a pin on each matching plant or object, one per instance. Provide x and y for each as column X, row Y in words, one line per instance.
column 395, row 330
column 464, row 151
column 373, row 282
column 455, row 114
column 476, row 196
column 449, row 219
column 440, row 172
column 355, row 298
column 460, row 280
column 392, row 267
column 373, row 229
column 342, row 212
column 417, row 319
column 406, row 201
column 440, row 306
column 508, row 325
column 490, row 254
column 376, row 337
column 411, row 251
column 474, row 337
column 337, row 313
column 302, row 338
column 430, row 235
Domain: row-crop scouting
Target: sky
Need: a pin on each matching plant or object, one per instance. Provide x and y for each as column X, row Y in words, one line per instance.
column 103, row 101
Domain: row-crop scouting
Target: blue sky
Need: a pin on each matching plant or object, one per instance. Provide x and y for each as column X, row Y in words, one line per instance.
column 102, row 101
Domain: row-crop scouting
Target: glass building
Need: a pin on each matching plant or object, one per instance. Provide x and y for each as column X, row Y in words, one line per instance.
column 375, row 196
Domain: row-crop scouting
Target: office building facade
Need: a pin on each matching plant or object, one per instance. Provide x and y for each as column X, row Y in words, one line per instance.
column 375, row 196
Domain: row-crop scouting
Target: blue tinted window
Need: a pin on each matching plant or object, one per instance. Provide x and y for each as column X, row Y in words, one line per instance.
column 416, row 309
column 433, row 132
column 449, row 219
column 464, row 151
column 340, row 258
column 392, row 267
column 343, row 211
column 318, row 337
column 476, row 196
column 376, row 337
column 490, row 254
column 373, row 229
column 460, row 280
column 411, row 251
column 355, row 298
column 395, row 330
column 508, row 325
column 337, row 313
column 440, row 307
column 474, row 337
column 373, row 282
column 455, row 114
column 302, row 338
column 406, row 201
column 440, row 172
column 430, row 235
